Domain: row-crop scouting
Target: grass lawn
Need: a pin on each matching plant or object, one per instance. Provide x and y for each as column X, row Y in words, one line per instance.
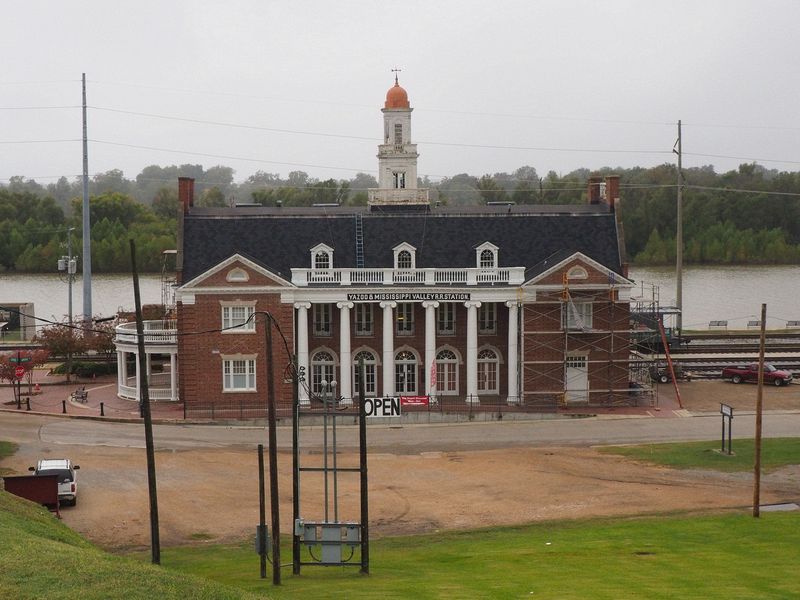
column 42, row 558
column 775, row 453
column 726, row 557
column 6, row 449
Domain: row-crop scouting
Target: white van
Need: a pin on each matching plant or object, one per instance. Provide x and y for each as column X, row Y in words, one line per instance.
column 67, row 478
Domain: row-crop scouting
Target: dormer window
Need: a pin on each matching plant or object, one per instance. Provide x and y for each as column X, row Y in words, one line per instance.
column 405, row 257
column 322, row 260
column 404, row 260
column 321, row 257
column 487, row 260
column 486, row 256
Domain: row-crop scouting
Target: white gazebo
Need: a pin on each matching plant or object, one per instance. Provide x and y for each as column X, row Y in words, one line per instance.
column 160, row 338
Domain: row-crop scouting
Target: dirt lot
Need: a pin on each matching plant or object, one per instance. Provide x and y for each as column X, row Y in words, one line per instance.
column 706, row 395
column 212, row 494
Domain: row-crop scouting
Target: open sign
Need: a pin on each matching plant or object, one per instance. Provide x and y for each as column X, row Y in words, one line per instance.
column 382, row 407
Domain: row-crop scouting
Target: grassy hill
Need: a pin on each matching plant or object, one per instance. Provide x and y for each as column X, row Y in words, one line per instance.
column 42, row 558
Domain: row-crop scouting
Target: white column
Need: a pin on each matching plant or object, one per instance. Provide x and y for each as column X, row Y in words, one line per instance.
column 345, row 360
column 138, row 373
column 302, row 350
column 120, row 372
column 124, row 368
column 388, row 348
column 430, row 343
column 512, row 362
column 173, row 376
column 472, row 351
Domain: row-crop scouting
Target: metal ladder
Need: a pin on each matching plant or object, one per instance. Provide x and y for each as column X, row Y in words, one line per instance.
column 359, row 242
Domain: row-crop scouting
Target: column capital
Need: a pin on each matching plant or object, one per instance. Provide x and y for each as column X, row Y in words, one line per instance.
column 343, row 305
column 472, row 304
column 305, row 305
column 512, row 303
column 388, row 304
column 430, row 304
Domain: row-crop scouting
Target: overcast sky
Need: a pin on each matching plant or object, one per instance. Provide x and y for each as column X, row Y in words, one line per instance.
column 556, row 85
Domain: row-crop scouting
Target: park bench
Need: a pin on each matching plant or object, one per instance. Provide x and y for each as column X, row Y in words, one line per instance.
column 80, row 395
column 754, row 324
column 792, row 324
column 717, row 324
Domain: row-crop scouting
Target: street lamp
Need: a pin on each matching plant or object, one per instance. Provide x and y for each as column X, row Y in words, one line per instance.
column 69, row 266
column 328, row 391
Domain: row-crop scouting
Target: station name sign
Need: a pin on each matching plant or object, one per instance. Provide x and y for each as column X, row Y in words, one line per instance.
column 409, row 297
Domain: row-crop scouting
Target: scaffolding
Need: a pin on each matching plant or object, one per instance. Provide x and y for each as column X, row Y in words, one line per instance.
column 577, row 348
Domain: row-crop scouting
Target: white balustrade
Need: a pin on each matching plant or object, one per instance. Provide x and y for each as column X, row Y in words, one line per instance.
column 457, row 276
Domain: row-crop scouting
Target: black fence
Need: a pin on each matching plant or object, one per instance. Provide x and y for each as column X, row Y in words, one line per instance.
column 485, row 408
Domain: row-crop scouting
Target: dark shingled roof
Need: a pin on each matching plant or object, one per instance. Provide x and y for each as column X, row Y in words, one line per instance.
column 281, row 239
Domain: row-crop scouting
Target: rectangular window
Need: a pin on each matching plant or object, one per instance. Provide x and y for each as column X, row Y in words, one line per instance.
column 576, row 316
column 405, row 378
column 239, row 375
column 322, row 319
column 370, row 379
column 446, row 319
column 398, row 134
column 487, row 318
column 405, row 318
column 364, row 325
column 237, row 317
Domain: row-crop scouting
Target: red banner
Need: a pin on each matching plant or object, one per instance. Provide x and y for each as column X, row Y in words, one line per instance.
column 414, row 400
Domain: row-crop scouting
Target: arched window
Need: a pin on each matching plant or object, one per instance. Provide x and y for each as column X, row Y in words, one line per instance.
column 370, row 379
column 446, row 373
column 488, row 371
column 404, row 260
column 487, row 259
column 405, row 373
column 323, row 368
column 322, row 260
column 577, row 272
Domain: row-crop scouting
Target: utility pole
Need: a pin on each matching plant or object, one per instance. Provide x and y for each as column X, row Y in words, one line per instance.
column 69, row 266
column 759, row 407
column 679, row 239
column 144, row 391
column 87, row 231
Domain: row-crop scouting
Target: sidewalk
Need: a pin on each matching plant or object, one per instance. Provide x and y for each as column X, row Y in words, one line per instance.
column 54, row 398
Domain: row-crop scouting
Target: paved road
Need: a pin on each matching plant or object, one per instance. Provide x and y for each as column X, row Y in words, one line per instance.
column 35, row 429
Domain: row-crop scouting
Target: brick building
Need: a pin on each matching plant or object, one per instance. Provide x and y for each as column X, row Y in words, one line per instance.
column 520, row 305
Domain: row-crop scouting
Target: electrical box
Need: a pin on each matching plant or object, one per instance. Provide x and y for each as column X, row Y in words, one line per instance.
column 262, row 539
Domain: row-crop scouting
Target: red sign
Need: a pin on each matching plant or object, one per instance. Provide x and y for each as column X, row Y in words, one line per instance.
column 414, row 400
column 19, row 372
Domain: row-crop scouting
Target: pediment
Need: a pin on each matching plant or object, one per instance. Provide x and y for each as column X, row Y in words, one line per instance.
column 237, row 271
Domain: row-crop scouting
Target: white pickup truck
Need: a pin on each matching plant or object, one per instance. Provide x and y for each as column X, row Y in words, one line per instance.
column 67, row 479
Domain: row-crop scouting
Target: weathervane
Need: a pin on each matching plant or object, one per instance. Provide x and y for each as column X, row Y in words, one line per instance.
column 396, row 71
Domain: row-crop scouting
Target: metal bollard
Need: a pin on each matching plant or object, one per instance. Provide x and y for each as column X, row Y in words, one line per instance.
column 102, row 413
column 63, row 407
column 19, row 402
column 27, row 403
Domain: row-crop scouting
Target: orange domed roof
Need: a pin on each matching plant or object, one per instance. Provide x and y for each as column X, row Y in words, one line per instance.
column 397, row 97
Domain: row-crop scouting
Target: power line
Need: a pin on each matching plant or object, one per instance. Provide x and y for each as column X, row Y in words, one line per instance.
column 748, row 158
column 38, row 141
column 37, row 107
column 234, row 125
column 228, row 157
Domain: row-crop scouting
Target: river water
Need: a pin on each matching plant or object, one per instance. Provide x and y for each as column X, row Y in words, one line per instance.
column 734, row 294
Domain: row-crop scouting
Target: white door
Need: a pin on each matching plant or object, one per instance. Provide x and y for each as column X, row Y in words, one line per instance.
column 577, row 380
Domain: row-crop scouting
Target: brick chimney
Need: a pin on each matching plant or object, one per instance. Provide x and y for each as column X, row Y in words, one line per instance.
column 612, row 191
column 595, row 182
column 186, row 193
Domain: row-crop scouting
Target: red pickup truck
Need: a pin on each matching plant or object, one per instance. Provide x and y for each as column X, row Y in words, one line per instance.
column 750, row 373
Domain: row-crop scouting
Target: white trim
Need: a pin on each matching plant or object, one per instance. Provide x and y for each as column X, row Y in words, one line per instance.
column 620, row 281
column 228, row 262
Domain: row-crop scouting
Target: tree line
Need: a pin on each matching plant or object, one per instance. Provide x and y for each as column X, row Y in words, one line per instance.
column 757, row 223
